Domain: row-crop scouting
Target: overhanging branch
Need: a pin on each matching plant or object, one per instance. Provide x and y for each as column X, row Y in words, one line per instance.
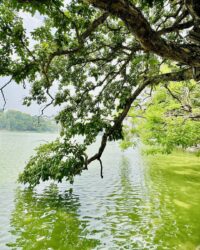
column 182, row 75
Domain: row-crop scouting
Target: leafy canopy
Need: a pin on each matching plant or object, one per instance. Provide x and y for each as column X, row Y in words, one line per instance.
column 100, row 56
column 168, row 118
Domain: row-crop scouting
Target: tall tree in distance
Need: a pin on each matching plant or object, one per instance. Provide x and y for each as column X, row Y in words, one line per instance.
column 102, row 55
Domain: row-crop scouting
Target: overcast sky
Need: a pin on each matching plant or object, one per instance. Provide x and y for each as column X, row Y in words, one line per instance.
column 15, row 93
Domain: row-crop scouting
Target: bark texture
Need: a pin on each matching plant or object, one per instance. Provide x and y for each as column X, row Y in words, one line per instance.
column 150, row 40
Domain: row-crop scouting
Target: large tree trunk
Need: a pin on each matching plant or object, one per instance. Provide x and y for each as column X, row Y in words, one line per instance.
column 150, row 40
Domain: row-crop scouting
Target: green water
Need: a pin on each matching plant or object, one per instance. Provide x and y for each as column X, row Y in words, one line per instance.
column 151, row 204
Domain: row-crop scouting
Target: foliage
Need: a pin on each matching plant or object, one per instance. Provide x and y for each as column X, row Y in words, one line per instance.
column 100, row 56
column 18, row 121
column 166, row 122
column 55, row 161
column 151, row 3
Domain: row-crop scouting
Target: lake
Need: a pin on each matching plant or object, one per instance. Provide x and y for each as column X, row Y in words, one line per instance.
column 140, row 203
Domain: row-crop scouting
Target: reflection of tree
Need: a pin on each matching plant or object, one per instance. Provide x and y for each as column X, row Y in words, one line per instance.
column 164, row 212
column 48, row 221
column 128, row 217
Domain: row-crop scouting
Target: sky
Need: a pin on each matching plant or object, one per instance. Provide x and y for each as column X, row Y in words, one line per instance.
column 14, row 93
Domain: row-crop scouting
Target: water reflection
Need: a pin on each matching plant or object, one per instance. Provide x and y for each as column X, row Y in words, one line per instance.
column 48, row 221
column 129, row 220
column 155, row 207
column 135, row 207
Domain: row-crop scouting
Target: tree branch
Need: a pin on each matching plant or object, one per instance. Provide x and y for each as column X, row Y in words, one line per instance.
column 150, row 40
column 96, row 23
column 177, row 27
column 182, row 75
column 2, row 92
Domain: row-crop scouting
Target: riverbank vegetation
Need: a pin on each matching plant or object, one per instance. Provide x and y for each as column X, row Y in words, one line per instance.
column 12, row 120
column 167, row 118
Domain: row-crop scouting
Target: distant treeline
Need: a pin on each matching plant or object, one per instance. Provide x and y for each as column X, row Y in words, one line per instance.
column 17, row 121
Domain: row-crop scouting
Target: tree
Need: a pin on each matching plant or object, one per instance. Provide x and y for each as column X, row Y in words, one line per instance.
column 102, row 55
column 18, row 121
column 167, row 118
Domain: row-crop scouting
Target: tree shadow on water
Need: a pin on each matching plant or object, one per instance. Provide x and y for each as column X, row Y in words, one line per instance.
column 48, row 221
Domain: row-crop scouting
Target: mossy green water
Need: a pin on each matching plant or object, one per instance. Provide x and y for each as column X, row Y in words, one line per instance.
column 48, row 222
column 142, row 203
column 175, row 188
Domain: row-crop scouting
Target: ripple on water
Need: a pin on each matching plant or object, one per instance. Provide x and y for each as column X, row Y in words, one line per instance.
column 131, row 208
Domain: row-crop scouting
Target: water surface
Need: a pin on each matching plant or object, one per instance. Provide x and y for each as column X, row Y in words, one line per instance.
column 138, row 205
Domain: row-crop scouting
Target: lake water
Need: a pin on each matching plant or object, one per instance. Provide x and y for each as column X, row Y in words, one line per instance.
column 135, row 206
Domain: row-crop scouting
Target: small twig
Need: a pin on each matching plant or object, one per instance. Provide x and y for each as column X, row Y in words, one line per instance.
column 172, row 94
column 2, row 93
column 101, row 170
column 24, row 84
column 47, row 105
